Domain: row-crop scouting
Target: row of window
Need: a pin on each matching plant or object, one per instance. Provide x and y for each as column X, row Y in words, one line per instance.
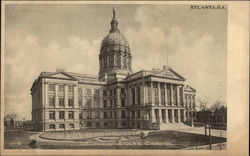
column 105, row 114
column 61, row 101
column 71, row 89
column 52, row 115
column 105, row 124
column 62, row 126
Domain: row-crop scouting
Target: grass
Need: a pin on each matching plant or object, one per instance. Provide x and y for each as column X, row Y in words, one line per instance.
column 17, row 139
column 155, row 140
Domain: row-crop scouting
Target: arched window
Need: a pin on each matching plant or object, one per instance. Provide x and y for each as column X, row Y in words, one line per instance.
column 52, row 126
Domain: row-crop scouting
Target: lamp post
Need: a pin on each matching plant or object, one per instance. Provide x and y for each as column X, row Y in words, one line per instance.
column 210, row 138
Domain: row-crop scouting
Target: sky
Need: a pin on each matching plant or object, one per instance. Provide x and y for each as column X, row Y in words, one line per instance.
column 41, row 37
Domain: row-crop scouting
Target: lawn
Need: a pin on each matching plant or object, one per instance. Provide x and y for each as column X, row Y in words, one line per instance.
column 107, row 139
column 131, row 140
column 17, row 139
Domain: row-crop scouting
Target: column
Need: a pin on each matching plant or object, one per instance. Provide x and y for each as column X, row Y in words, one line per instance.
column 172, row 97
column 66, row 96
column 159, row 93
column 184, row 114
column 143, row 94
column 56, row 95
column 136, row 97
column 194, row 101
column 160, row 115
column 46, row 94
column 166, row 95
column 178, row 95
column 173, row 119
column 183, row 96
column 130, row 96
column 75, row 104
column 100, row 99
column 166, row 111
column 152, row 93
column 190, row 101
column 153, row 116
column 179, row 115
column 115, row 61
column 118, row 97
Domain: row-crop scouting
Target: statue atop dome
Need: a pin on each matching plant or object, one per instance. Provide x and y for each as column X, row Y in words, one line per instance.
column 114, row 23
column 113, row 13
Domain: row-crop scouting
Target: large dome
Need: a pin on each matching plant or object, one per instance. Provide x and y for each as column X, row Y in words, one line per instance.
column 115, row 41
column 115, row 57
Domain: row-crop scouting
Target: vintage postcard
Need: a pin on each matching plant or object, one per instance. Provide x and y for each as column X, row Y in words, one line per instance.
column 124, row 78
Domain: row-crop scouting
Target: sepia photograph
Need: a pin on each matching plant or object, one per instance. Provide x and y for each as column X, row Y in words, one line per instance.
column 111, row 76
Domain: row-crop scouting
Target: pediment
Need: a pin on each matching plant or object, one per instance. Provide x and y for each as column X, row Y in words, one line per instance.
column 169, row 73
column 60, row 75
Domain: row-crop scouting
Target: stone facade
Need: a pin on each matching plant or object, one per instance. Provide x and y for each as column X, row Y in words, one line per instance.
column 116, row 98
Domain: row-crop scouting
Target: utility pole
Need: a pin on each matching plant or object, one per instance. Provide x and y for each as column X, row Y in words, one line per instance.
column 210, row 139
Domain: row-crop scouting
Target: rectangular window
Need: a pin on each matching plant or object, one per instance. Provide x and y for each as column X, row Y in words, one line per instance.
column 80, row 91
column 71, row 126
column 70, row 102
column 97, row 115
column 80, row 115
column 62, row 126
column 80, row 103
column 61, row 115
column 51, row 87
column 88, row 115
column 115, row 115
column 123, row 123
column 97, row 103
column 71, row 115
column 105, row 124
column 52, row 115
column 122, row 90
column 133, row 114
column 104, row 93
column 105, row 104
column 114, row 102
column 70, row 88
column 61, row 101
column 61, row 88
column 88, row 92
column 51, row 101
column 123, row 114
column 138, row 113
column 89, row 124
column 88, row 103
column 111, row 114
column 123, row 102
column 97, row 92
column 105, row 115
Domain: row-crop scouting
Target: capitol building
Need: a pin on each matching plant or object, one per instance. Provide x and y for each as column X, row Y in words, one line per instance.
column 116, row 98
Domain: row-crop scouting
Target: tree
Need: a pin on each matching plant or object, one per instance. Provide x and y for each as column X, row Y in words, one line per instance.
column 10, row 116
